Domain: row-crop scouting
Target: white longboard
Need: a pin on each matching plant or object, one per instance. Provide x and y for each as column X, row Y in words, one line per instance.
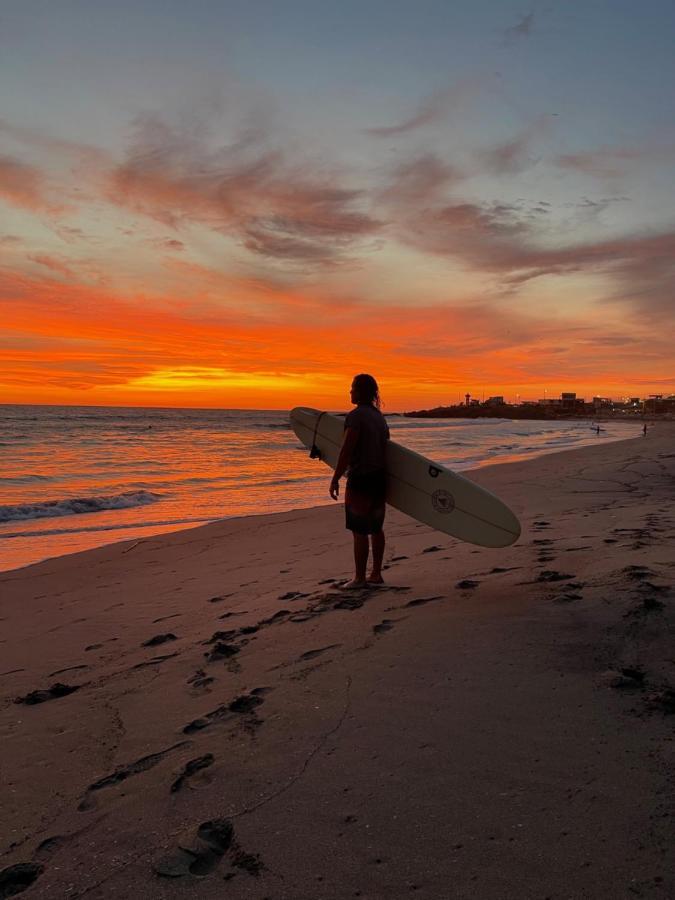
column 419, row 487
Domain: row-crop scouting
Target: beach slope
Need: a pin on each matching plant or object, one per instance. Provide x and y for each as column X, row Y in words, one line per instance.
column 205, row 714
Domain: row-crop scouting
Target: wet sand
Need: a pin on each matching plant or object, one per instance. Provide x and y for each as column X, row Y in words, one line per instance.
column 205, row 714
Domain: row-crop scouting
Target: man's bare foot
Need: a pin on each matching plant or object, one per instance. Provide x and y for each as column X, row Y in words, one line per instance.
column 353, row 585
column 375, row 579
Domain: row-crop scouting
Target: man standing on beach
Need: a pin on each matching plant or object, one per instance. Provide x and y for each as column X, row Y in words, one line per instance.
column 362, row 456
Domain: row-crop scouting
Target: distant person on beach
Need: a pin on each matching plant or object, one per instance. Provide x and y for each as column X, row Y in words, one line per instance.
column 644, row 430
column 362, row 457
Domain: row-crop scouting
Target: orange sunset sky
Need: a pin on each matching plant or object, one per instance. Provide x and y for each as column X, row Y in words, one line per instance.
column 237, row 207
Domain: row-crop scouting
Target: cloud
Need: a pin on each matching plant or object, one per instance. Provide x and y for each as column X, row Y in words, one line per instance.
column 70, row 234
column 66, row 339
column 431, row 110
column 520, row 30
column 31, row 137
column 21, row 185
column 247, row 190
column 512, row 156
column 605, row 163
column 419, row 181
column 505, row 240
column 50, row 262
column 169, row 245
column 615, row 162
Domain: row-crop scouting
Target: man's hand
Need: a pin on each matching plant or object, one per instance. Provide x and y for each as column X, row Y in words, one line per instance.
column 335, row 488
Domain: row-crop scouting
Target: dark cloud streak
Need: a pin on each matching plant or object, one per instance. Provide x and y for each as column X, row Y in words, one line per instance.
column 248, row 190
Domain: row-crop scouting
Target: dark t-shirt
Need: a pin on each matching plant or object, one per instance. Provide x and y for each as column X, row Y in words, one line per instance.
column 373, row 434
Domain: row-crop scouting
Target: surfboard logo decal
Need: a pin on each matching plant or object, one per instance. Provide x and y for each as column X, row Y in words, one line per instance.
column 442, row 501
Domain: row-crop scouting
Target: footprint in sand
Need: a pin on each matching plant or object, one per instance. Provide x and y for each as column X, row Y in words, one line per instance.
column 637, row 573
column 121, row 773
column 550, row 575
column 353, row 602
column 421, row 601
column 98, row 646
column 221, row 650
column 190, row 768
column 467, row 584
column 154, row 661
column 249, row 862
column 242, row 705
column 384, row 626
column 200, row 679
column 626, row 678
column 277, row 617
column 199, row 855
column 54, row 692
column 159, row 639
column 17, row 878
column 68, row 669
column 220, row 598
column 662, row 701
column 648, row 604
column 568, row 597
column 312, row 654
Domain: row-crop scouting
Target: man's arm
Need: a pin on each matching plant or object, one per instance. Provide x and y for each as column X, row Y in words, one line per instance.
column 348, row 443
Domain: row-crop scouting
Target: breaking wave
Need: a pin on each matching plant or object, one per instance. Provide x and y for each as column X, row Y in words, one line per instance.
column 76, row 506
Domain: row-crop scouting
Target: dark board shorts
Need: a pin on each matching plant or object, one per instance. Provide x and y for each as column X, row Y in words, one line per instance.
column 364, row 502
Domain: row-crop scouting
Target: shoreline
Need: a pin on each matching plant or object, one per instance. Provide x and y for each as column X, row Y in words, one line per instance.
column 465, row 473
column 230, row 724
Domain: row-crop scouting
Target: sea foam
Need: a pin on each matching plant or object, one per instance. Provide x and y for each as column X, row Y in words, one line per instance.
column 76, row 505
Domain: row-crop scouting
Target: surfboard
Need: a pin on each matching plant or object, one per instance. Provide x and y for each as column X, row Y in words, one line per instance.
column 417, row 486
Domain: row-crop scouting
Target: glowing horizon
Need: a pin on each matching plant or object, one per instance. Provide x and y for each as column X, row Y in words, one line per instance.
column 462, row 212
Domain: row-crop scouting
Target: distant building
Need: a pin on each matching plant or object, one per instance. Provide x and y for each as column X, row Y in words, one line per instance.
column 568, row 400
column 657, row 404
column 494, row 401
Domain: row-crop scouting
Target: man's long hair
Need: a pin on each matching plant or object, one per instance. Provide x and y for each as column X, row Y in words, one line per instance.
column 367, row 390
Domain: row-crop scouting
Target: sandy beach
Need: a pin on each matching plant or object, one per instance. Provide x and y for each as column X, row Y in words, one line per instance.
column 205, row 714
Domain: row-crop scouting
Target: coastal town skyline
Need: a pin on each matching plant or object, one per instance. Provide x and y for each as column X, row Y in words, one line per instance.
column 245, row 206
column 654, row 403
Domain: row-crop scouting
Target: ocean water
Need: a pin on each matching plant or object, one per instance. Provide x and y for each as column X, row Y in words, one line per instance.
column 72, row 478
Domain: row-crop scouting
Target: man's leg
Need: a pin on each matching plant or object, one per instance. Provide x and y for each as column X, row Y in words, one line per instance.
column 360, row 557
column 378, row 555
